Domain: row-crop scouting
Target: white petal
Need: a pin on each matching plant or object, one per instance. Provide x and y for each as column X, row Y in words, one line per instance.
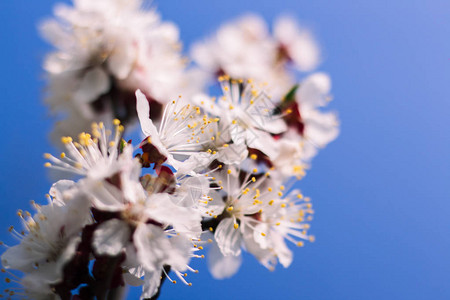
column 262, row 240
column 152, row 247
column 305, row 52
column 321, row 128
column 283, row 253
column 262, row 141
column 122, row 59
column 228, row 238
column 233, row 154
column 185, row 220
column 111, row 237
column 53, row 32
column 152, row 281
column 147, row 126
column 180, row 256
column 143, row 111
column 314, row 90
column 93, row 84
column 132, row 280
column 19, row 258
column 221, row 266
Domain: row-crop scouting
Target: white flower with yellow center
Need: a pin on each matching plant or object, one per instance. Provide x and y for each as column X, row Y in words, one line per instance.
column 247, row 115
column 50, row 237
column 151, row 230
column 259, row 218
column 95, row 156
column 181, row 136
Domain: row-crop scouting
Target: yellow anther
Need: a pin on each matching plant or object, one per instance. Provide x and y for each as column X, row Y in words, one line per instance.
column 253, row 179
column 213, row 138
column 283, row 204
column 200, row 248
column 47, row 155
column 225, row 145
column 255, row 170
column 229, row 171
column 236, row 226
column 311, row 238
column 62, row 155
column 263, row 234
column 211, row 229
column 233, row 122
column 300, row 196
column 112, row 143
column 253, row 156
column 66, row 139
column 280, row 194
column 282, row 187
column 230, row 208
column 116, row 122
column 278, row 223
column 300, row 244
column 271, row 202
column 47, row 165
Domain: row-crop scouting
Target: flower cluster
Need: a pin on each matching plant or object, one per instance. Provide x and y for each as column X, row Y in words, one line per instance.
column 209, row 172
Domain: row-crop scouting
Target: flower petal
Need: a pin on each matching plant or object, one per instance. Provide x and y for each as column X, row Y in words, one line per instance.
column 228, row 238
column 221, row 266
column 111, row 237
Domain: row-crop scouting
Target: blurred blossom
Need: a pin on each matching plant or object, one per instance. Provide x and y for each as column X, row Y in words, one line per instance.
column 105, row 50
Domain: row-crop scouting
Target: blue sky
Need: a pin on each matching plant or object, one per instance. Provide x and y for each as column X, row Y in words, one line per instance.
column 380, row 191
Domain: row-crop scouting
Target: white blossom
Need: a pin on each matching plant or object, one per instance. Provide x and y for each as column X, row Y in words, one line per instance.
column 258, row 218
column 51, row 236
column 104, row 52
column 181, row 135
column 312, row 128
column 296, row 44
column 95, row 156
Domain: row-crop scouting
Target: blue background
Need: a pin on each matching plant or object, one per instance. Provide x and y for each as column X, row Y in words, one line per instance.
column 380, row 192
